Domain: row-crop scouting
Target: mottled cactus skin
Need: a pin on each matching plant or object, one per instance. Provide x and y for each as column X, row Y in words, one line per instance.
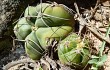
column 32, row 46
column 58, row 16
column 22, row 28
column 53, row 33
column 72, row 50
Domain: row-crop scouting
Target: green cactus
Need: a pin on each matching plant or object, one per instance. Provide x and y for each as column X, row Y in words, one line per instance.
column 73, row 51
column 51, row 21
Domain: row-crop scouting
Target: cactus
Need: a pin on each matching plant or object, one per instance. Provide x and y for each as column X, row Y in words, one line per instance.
column 73, row 51
column 53, row 24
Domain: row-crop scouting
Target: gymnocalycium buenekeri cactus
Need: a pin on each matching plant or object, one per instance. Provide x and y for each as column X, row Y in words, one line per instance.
column 72, row 50
column 53, row 21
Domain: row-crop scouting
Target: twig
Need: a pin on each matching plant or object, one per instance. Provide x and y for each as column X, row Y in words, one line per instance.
column 100, row 36
column 83, row 22
column 11, row 64
column 94, row 10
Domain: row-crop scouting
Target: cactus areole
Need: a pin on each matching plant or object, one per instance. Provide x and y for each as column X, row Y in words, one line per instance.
column 73, row 51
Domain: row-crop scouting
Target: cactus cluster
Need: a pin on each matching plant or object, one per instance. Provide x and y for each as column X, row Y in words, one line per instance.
column 41, row 22
column 55, row 22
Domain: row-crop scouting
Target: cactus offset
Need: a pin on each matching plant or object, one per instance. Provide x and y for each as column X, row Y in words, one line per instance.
column 73, row 50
